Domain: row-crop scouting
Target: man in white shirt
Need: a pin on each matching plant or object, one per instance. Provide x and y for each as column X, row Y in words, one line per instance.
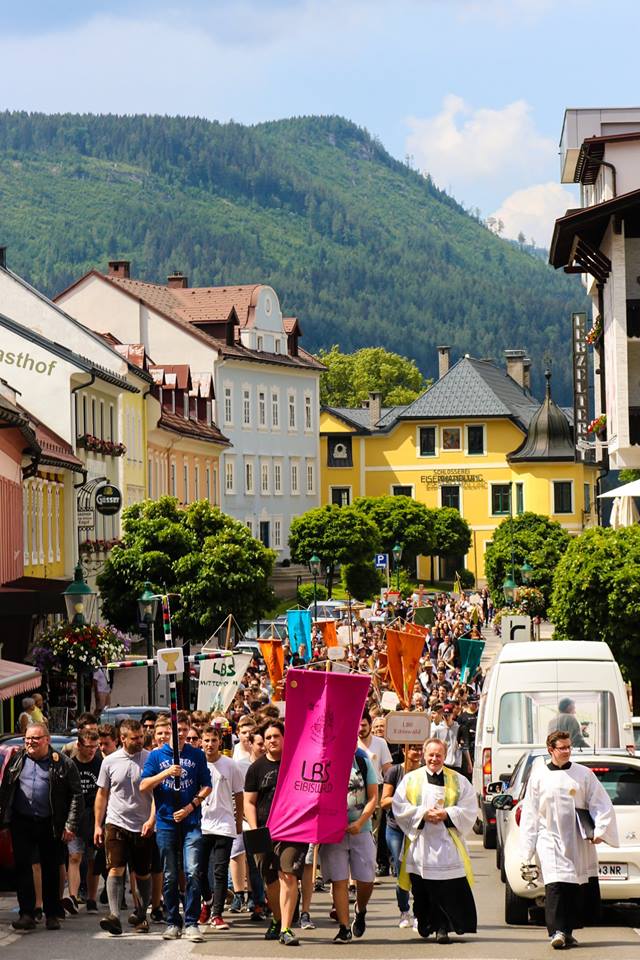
column 242, row 749
column 376, row 748
column 222, row 813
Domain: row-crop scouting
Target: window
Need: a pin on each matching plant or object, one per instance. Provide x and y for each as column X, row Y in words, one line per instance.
column 276, row 529
column 295, row 477
column 173, row 479
column 250, row 526
column 450, row 496
column 527, row 717
column 275, row 410
column 398, row 490
column 292, row 411
column 229, row 476
column 94, row 424
column 150, row 478
column 265, row 533
column 427, row 441
column 248, row 476
column 341, row 496
column 501, row 499
column 277, row 345
column 519, row 498
column 215, row 485
column 339, row 452
column 264, row 478
column 262, row 409
column 451, row 438
column 196, row 482
column 185, row 481
column 562, row 496
column 207, row 483
column 112, row 433
column 246, row 408
column 228, row 418
column 311, row 483
column 475, row 440
column 308, row 417
column 587, row 498
column 260, row 344
column 277, row 476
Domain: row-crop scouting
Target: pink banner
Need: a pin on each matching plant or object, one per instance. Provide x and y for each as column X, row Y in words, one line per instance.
column 321, row 734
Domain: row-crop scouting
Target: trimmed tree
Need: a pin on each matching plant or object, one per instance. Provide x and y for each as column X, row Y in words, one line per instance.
column 531, row 537
column 207, row 558
column 402, row 520
column 336, row 535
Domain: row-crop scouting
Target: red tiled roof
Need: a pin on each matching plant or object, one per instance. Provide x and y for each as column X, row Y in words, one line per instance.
column 216, row 303
column 175, row 375
column 191, row 428
column 55, row 449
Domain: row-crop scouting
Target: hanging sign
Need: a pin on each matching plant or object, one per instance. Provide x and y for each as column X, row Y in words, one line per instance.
column 170, row 661
column 108, row 500
column 219, row 681
column 407, row 727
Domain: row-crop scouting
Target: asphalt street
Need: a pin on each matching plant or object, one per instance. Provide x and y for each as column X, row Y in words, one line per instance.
column 81, row 939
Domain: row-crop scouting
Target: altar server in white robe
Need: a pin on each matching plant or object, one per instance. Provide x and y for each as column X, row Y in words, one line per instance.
column 435, row 807
column 561, row 796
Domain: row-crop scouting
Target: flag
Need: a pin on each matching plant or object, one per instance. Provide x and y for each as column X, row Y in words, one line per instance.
column 404, row 649
column 323, row 717
column 328, row 630
column 299, row 631
column 273, row 655
column 457, row 585
column 471, row 651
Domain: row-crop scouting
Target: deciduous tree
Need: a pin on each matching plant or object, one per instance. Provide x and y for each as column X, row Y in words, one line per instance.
column 350, row 377
column 531, row 537
column 336, row 535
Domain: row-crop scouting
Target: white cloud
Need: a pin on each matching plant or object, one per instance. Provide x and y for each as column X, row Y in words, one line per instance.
column 462, row 146
column 533, row 211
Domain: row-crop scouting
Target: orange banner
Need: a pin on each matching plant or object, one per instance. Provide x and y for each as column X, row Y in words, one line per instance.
column 328, row 630
column 404, row 649
column 273, row 654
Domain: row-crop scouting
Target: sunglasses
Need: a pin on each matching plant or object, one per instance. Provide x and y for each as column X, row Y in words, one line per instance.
column 193, row 739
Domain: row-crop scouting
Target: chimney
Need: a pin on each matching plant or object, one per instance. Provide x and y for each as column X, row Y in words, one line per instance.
column 375, row 408
column 444, row 357
column 177, row 281
column 119, row 268
column 518, row 367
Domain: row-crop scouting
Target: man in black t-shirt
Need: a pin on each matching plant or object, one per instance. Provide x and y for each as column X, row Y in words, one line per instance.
column 88, row 760
column 284, row 865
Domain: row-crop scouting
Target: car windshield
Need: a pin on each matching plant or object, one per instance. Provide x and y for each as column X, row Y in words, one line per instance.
column 620, row 780
column 589, row 717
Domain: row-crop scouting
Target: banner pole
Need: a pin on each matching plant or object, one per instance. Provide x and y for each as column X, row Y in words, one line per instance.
column 173, row 687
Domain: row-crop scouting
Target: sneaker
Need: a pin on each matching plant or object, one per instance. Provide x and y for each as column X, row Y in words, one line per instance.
column 571, row 940
column 217, row 923
column 38, row 914
column 24, row 923
column 258, row 915
column 306, row 923
column 133, row 918
column 405, row 919
column 111, row 924
column 237, row 903
column 359, row 924
column 52, row 923
column 205, row 913
column 142, row 926
column 192, row 933
column 343, row 935
column 382, row 871
column 415, row 924
column 157, row 915
column 442, row 936
column 558, row 940
column 273, row 933
column 92, row 906
column 319, row 886
column 70, row 905
column 172, row 933
column 288, row 938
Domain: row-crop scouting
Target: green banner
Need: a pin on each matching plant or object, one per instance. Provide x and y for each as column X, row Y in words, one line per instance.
column 471, row 651
column 424, row 616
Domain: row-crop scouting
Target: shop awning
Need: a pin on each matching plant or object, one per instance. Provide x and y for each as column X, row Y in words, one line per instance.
column 17, row 678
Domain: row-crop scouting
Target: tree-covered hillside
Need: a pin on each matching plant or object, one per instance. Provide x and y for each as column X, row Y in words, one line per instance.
column 364, row 250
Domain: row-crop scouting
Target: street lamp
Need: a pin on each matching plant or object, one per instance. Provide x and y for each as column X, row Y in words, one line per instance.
column 315, row 566
column 525, row 572
column 397, row 557
column 80, row 602
column 147, row 613
column 509, row 588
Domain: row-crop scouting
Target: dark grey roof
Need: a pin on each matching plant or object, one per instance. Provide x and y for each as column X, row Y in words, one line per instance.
column 549, row 436
column 359, row 416
column 473, row 388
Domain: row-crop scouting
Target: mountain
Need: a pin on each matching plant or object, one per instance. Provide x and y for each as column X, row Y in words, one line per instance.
column 362, row 249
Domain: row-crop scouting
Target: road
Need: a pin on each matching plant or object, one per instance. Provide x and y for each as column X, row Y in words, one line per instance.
column 81, row 939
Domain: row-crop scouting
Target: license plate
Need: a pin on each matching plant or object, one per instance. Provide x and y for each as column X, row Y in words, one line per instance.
column 613, row 871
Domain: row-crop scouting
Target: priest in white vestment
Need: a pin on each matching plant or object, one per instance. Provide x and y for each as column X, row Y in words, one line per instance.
column 435, row 807
column 565, row 813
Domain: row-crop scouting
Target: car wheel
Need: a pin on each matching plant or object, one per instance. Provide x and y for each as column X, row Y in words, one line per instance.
column 503, row 872
column 488, row 835
column 498, row 854
column 516, row 909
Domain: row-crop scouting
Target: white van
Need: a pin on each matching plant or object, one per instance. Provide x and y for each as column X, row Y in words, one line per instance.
column 534, row 688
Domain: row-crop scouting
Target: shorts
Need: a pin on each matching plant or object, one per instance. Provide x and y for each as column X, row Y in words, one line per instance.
column 126, row 848
column 82, row 846
column 285, row 857
column 308, row 860
column 238, row 847
column 355, row 855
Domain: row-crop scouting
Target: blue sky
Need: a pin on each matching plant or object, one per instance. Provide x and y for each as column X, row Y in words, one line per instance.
column 472, row 90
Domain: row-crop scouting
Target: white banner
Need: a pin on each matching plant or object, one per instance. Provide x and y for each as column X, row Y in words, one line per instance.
column 219, row 681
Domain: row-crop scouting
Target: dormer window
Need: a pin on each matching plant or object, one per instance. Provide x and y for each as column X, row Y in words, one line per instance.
column 277, row 345
column 260, row 344
column 185, row 405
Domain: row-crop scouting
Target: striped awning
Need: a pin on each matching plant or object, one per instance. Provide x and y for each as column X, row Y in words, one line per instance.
column 17, row 678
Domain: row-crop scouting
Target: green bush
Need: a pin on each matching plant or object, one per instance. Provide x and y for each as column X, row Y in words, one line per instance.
column 361, row 580
column 305, row 593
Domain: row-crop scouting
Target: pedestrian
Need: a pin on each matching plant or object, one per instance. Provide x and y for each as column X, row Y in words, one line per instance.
column 377, row 749
column 127, row 834
column 283, row 867
column 222, row 813
column 29, row 715
column 567, row 721
column 355, row 854
column 435, row 807
column 565, row 813
column 395, row 836
column 178, row 826
column 41, row 800
column 88, row 761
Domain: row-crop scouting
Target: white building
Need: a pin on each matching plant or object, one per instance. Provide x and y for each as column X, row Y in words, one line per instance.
column 600, row 151
column 266, row 387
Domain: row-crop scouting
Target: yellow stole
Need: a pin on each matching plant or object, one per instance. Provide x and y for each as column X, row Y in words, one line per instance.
column 415, row 782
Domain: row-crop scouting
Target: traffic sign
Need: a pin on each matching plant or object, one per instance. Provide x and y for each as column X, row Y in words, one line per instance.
column 381, row 561
column 515, row 628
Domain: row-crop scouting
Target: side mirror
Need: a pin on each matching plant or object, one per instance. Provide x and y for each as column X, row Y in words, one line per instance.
column 496, row 786
column 503, row 801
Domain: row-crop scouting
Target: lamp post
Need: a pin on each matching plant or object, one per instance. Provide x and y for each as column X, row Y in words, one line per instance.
column 397, row 557
column 147, row 613
column 315, row 567
column 80, row 602
column 525, row 572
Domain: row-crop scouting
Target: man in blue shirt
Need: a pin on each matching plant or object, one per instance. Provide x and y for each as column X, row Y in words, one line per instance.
column 178, row 825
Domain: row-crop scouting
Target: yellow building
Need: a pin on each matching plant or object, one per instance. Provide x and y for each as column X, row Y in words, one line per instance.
column 474, row 440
